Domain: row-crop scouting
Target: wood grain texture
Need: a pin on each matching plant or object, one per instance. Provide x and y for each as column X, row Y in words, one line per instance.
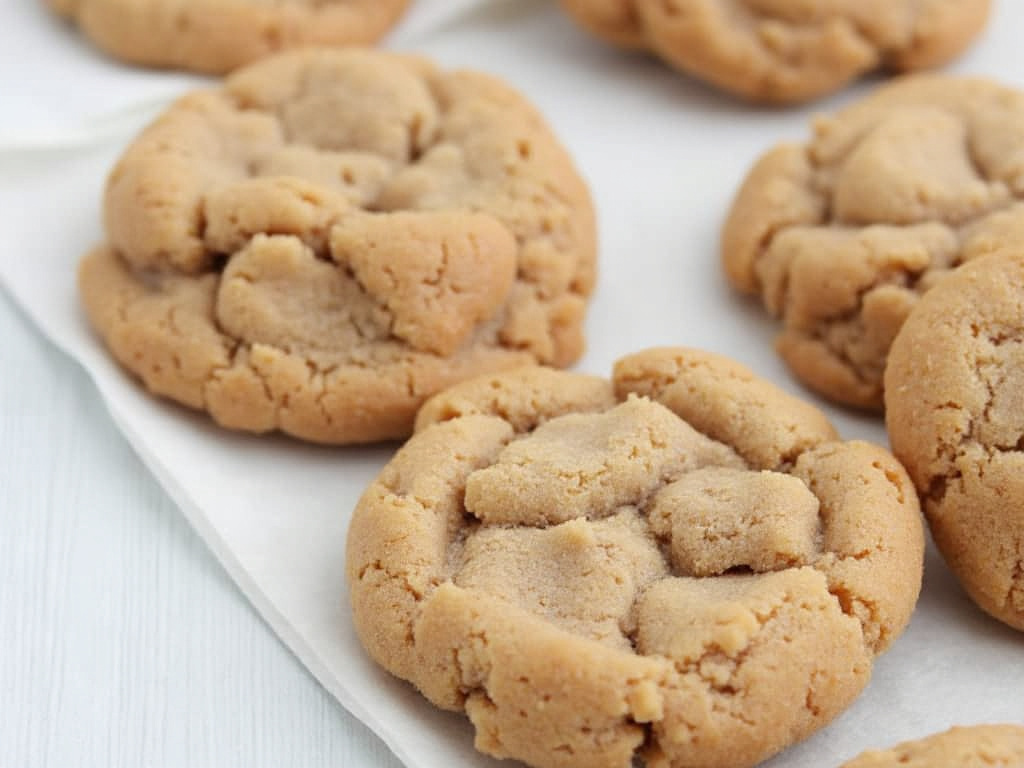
column 122, row 641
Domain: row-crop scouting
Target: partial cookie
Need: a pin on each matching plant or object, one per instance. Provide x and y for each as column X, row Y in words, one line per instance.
column 332, row 237
column 217, row 36
column 683, row 564
column 786, row 51
column 841, row 236
column 954, row 395
column 979, row 746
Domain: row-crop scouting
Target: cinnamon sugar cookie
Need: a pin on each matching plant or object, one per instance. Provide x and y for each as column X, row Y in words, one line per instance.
column 216, row 36
column 683, row 564
column 954, row 395
column 841, row 236
column 786, row 51
column 979, row 746
column 332, row 237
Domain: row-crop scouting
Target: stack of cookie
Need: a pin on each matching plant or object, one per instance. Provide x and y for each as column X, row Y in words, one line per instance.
column 682, row 564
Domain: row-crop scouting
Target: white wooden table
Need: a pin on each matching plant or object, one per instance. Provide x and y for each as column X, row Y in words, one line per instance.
column 122, row 641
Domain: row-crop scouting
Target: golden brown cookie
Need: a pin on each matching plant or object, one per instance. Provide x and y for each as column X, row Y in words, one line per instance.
column 786, row 51
column 954, row 395
column 979, row 746
column 683, row 564
column 332, row 237
column 217, row 36
column 841, row 236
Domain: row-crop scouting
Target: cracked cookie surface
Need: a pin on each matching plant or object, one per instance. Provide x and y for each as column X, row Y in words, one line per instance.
column 954, row 394
column 682, row 564
column 840, row 237
column 998, row 746
column 787, row 51
column 217, row 36
column 332, row 237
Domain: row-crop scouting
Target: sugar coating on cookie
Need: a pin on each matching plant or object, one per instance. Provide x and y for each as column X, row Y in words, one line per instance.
column 682, row 564
column 217, row 36
column 841, row 236
column 954, row 395
column 332, row 237
column 978, row 746
column 787, row 51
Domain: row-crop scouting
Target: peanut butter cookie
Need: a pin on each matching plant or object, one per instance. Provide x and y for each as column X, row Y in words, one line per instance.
column 683, row 564
column 786, row 51
column 217, row 36
column 332, row 237
column 841, row 236
column 954, row 395
column 979, row 746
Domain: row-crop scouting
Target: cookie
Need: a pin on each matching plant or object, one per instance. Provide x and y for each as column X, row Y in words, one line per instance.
column 217, row 36
column 954, row 395
column 979, row 746
column 331, row 237
column 787, row 51
column 682, row 564
column 841, row 236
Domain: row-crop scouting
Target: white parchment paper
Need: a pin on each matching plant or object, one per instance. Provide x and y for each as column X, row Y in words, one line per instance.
column 663, row 156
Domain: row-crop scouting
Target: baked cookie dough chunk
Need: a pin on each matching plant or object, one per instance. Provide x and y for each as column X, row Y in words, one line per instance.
column 979, row 746
column 954, row 394
column 841, row 236
column 787, row 51
column 217, row 36
column 332, row 237
column 682, row 565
